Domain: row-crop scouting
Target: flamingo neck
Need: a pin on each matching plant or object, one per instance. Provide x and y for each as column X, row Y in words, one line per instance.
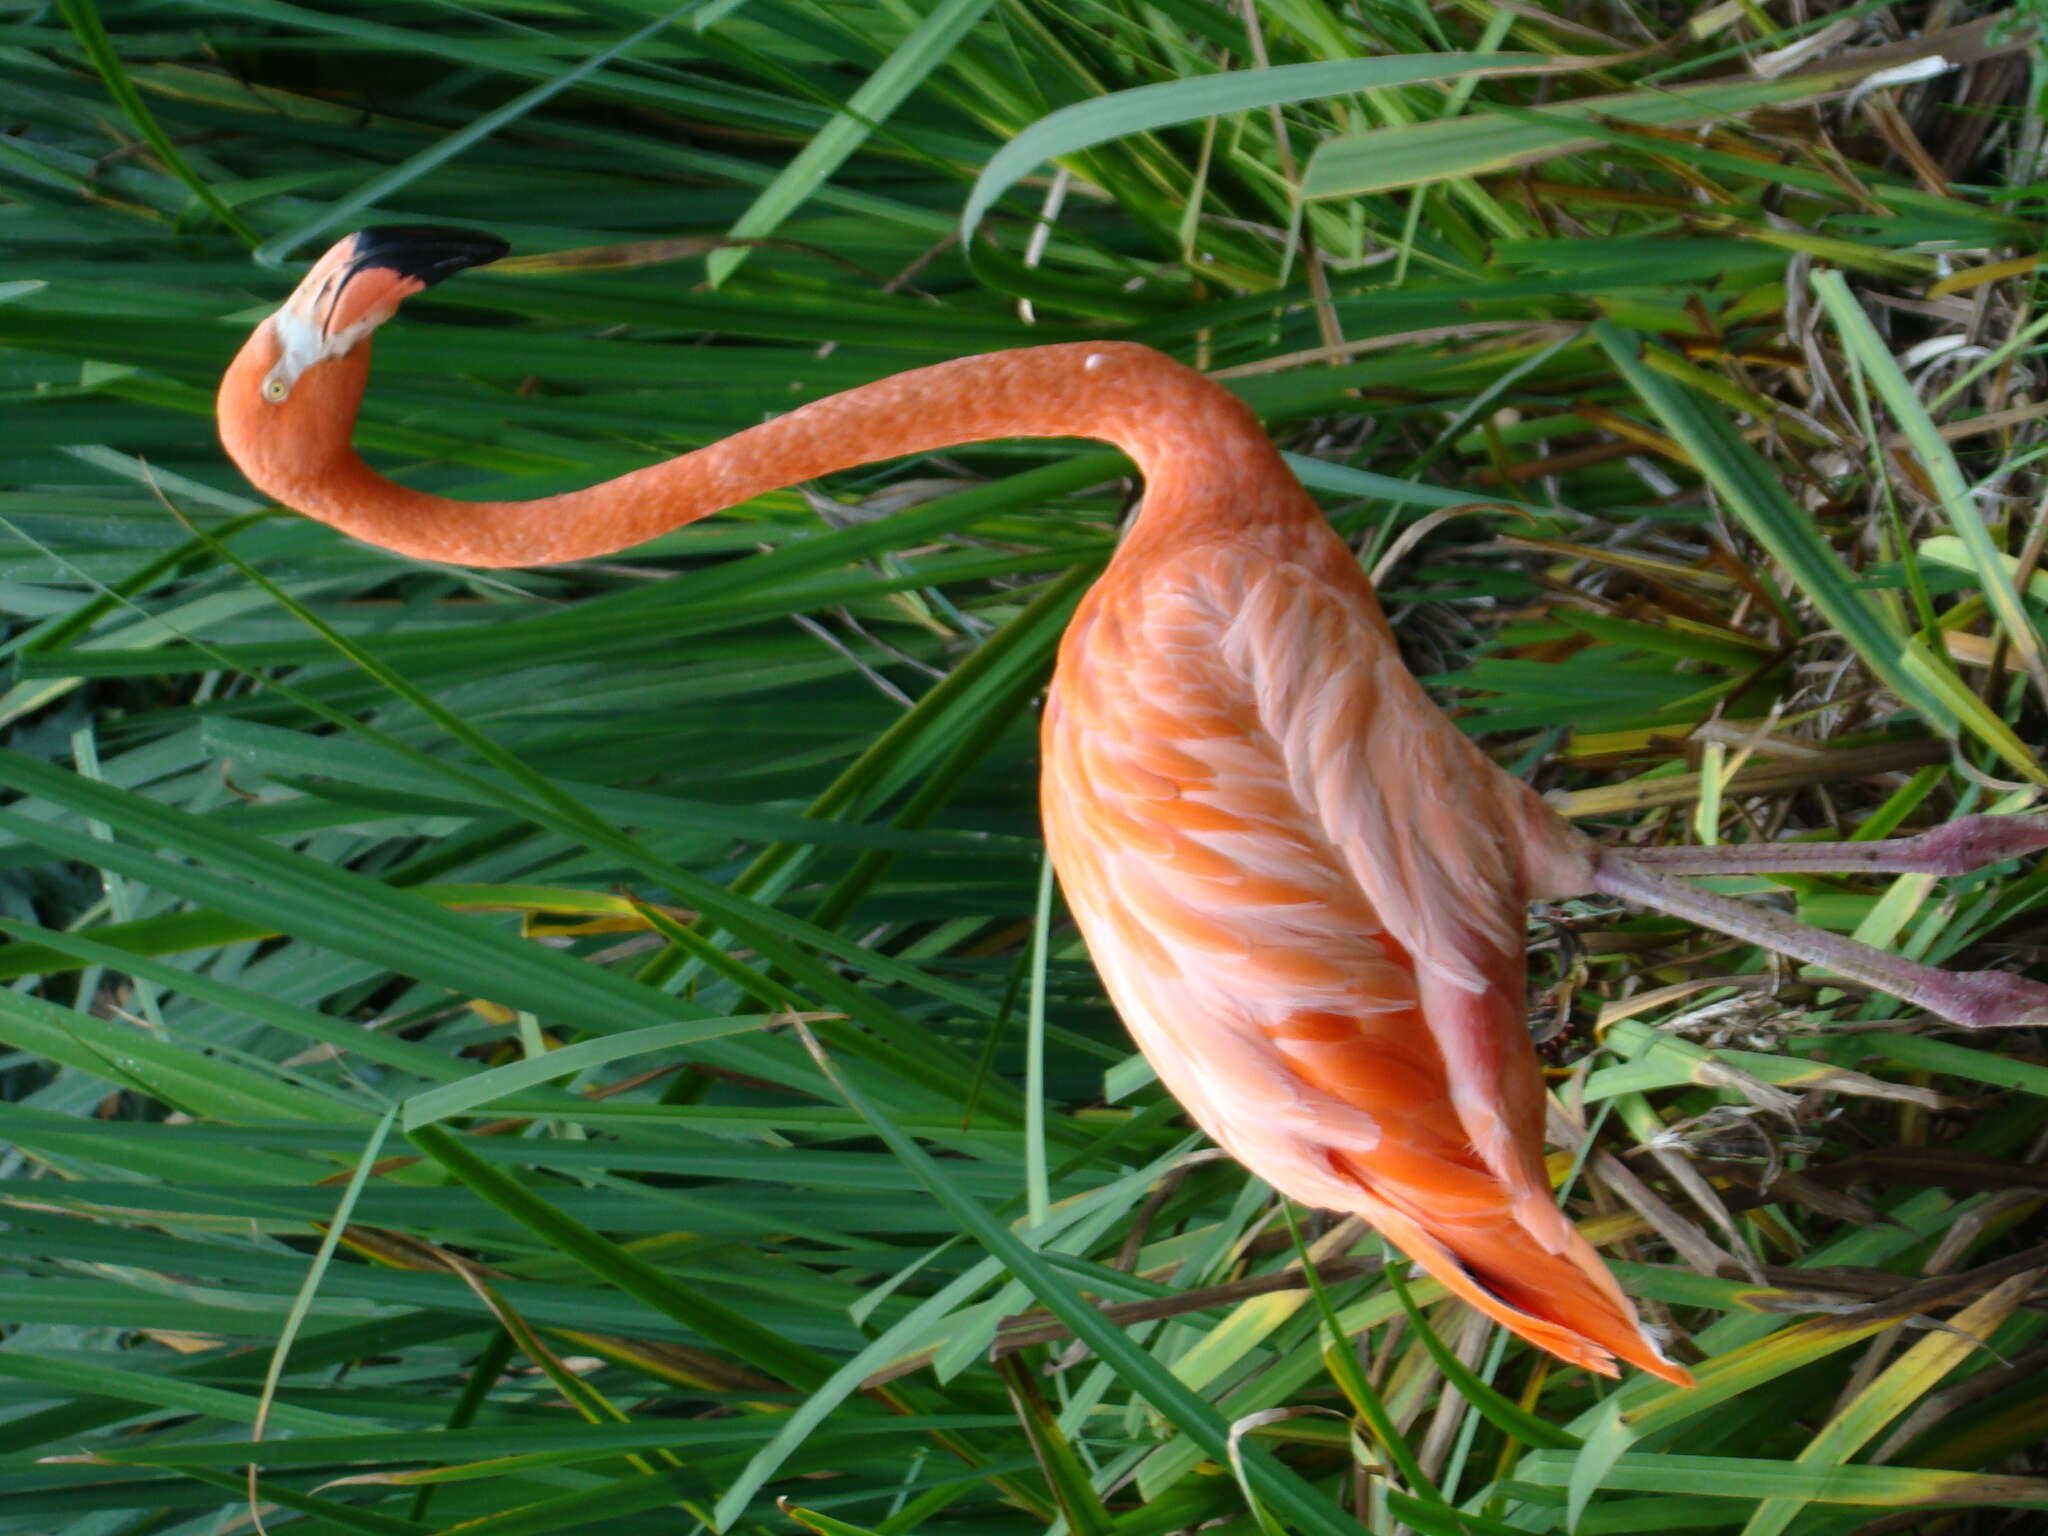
column 1201, row 451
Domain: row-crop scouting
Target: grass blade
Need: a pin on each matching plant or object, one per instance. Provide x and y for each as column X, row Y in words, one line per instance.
column 721, row 1325
column 1904, row 1382
column 83, row 18
column 1760, row 503
column 1146, row 107
column 878, row 96
column 1869, row 354
column 1280, row 1487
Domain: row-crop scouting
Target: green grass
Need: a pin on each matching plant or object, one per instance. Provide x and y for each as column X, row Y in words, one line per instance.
column 523, row 1050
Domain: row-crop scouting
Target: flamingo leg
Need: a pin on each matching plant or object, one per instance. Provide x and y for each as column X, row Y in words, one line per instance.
column 1967, row 843
column 1973, row 999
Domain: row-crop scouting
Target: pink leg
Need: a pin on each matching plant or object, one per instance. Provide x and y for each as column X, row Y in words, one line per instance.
column 1974, row 999
column 1967, row 843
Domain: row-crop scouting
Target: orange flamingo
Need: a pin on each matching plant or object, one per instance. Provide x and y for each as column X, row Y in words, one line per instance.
column 1302, row 884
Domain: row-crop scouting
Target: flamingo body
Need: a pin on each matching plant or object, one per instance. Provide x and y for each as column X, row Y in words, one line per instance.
column 1303, row 886
column 1304, row 890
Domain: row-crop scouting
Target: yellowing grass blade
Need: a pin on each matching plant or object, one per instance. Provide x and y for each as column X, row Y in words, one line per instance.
column 1973, row 712
column 1908, row 1379
column 1738, row 1477
column 1949, row 550
column 1750, row 1365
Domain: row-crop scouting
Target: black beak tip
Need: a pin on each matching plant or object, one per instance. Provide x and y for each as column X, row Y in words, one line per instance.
column 426, row 253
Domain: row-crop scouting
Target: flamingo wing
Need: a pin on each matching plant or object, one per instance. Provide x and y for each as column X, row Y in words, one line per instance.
column 1428, row 829
column 1310, row 917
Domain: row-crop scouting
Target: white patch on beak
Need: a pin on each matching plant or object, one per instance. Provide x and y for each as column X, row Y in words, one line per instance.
column 299, row 346
column 301, row 342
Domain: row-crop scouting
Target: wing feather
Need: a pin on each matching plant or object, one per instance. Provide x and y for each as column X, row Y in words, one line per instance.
column 1423, row 823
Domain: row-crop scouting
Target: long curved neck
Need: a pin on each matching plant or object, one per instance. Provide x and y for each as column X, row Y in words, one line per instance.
column 1201, row 450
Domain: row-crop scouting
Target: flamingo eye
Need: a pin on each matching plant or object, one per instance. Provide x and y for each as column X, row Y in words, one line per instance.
column 274, row 390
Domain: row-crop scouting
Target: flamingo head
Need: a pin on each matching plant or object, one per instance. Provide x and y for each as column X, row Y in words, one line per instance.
column 293, row 389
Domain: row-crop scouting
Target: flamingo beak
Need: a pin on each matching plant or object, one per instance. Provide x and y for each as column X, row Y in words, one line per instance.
column 358, row 285
column 389, row 262
column 423, row 253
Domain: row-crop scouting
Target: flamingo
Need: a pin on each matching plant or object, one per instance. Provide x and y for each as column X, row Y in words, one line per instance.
column 1303, row 886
